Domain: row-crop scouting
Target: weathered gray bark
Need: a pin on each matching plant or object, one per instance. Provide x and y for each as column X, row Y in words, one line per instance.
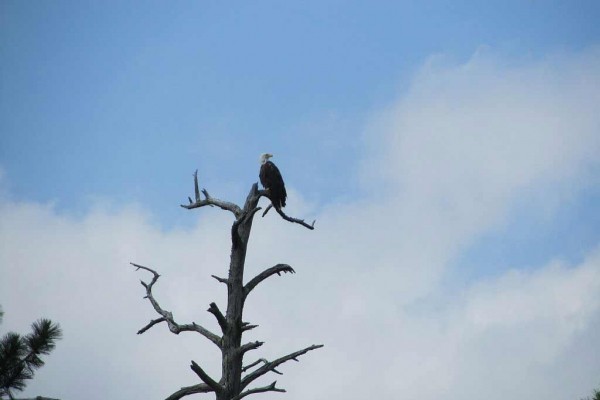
column 231, row 385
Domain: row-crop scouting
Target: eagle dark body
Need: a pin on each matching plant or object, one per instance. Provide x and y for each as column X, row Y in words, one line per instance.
column 271, row 179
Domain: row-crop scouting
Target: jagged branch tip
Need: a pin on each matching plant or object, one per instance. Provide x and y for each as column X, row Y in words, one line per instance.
column 167, row 316
column 240, row 214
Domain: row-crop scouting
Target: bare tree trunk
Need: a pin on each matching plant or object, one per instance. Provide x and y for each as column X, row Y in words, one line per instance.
column 232, row 385
column 232, row 339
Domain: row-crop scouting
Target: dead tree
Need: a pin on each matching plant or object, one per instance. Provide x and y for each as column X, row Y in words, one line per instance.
column 232, row 385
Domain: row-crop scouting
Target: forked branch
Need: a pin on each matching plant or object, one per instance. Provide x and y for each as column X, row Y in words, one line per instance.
column 278, row 269
column 255, row 363
column 214, row 385
column 270, row 388
column 230, row 386
column 295, row 220
column 283, row 215
column 167, row 316
column 210, row 201
column 188, row 390
column 214, row 310
column 245, row 216
column 250, row 346
column 270, row 366
column 234, row 208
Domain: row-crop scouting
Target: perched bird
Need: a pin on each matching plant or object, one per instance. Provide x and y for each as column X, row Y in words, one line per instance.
column 271, row 179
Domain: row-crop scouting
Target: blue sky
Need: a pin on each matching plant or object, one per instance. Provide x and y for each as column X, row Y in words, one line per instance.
column 448, row 150
column 124, row 100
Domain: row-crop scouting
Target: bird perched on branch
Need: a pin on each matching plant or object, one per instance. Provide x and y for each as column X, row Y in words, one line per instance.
column 271, row 179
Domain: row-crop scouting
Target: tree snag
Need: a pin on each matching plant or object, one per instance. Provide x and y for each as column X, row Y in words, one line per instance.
column 232, row 385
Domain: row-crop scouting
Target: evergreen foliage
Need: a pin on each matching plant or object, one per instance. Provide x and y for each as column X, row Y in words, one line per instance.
column 21, row 355
column 595, row 397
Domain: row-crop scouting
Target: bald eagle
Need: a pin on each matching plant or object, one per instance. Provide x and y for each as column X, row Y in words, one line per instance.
column 271, row 179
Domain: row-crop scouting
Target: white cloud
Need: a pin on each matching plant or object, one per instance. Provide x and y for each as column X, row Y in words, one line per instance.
column 449, row 160
column 470, row 138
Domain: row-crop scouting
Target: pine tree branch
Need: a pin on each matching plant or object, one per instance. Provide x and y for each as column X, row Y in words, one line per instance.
column 13, row 350
column 40, row 341
column 20, row 355
column 188, row 390
column 270, row 366
column 277, row 269
column 210, row 201
column 214, row 385
column 270, row 388
column 168, row 316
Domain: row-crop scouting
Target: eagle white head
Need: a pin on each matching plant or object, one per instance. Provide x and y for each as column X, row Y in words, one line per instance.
column 265, row 157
